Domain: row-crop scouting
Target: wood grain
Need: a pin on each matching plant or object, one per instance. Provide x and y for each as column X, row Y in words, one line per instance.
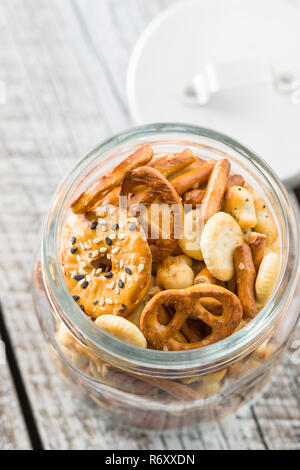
column 64, row 64
column 13, row 434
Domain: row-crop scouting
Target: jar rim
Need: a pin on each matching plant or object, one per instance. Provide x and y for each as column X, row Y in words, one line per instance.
column 134, row 357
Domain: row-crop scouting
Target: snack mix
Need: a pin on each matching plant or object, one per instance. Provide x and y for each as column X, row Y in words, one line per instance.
column 169, row 252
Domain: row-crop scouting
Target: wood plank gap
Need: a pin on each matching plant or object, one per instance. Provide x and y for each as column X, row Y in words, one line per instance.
column 260, row 432
column 25, row 406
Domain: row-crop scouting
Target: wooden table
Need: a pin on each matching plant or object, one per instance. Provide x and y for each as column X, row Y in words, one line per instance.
column 64, row 64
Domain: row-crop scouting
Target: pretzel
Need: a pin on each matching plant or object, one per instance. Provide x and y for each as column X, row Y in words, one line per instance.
column 205, row 277
column 111, row 198
column 187, row 304
column 240, row 205
column 110, row 180
column 245, row 275
column 235, row 180
column 257, row 242
column 122, row 329
column 159, row 190
column 107, row 267
column 194, row 197
column 215, row 190
column 192, row 179
column 170, row 164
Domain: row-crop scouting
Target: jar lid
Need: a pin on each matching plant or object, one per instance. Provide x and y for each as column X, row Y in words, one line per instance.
column 232, row 66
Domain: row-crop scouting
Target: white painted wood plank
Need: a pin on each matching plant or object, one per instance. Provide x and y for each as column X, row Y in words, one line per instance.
column 13, row 433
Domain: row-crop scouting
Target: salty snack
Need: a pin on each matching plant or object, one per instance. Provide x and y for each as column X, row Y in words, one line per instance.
column 110, row 180
column 122, row 329
column 257, row 243
column 266, row 277
column 239, row 204
column 191, row 235
column 220, row 236
column 160, row 191
column 245, row 277
column 171, row 164
column 215, row 189
column 265, row 222
column 107, row 264
column 175, row 272
column 187, row 304
column 193, row 178
column 205, row 277
column 184, row 249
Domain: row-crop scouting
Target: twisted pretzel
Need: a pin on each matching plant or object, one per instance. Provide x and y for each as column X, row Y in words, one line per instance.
column 187, row 305
column 159, row 190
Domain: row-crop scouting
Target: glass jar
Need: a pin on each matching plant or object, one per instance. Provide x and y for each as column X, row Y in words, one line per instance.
column 159, row 389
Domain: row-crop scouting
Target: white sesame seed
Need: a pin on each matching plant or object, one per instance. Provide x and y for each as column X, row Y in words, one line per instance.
column 108, row 301
column 108, row 256
column 117, row 290
column 95, row 253
column 78, row 258
column 132, row 220
column 111, row 285
column 88, row 278
column 103, row 249
column 73, row 273
column 104, row 228
column 121, row 236
column 82, row 264
column 123, row 277
column 81, row 282
column 121, row 224
column 97, row 240
column 140, row 267
column 99, row 270
column 101, row 301
column 241, row 266
column 121, row 263
column 93, row 272
column 102, row 222
column 115, row 250
column 113, row 236
column 81, row 245
column 82, row 272
column 101, row 212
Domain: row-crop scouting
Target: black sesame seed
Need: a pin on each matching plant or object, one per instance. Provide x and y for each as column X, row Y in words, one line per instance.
column 95, row 303
column 108, row 275
column 240, row 189
column 132, row 227
column 94, row 225
column 122, row 310
column 82, row 308
column 264, row 207
column 76, row 297
column 108, row 241
column 128, row 271
column 78, row 277
column 121, row 284
column 247, row 200
column 73, row 250
column 84, row 285
column 115, row 227
column 124, row 306
column 73, row 240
